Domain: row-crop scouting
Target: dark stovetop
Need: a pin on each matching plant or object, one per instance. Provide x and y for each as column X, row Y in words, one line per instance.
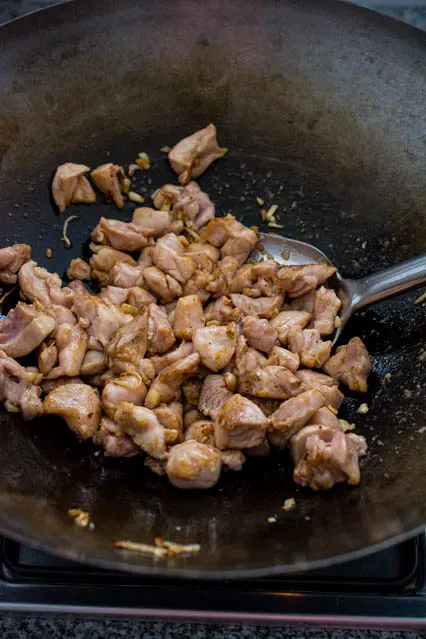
column 383, row 590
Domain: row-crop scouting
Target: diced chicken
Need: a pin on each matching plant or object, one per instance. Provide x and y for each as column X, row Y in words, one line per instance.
column 128, row 345
column 324, row 417
column 304, row 302
column 139, row 298
column 17, row 388
column 160, row 362
column 44, row 288
column 246, row 359
column 114, row 441
column 168, row 256
column 164, row 286
column 48, row 385
column 267, row 406
column 11, row 260
column 197, row 284
column 193, row 465
column 222, row 275
column 325, row 384
column 79, row 405
column 70, row 185
column 208, row 252
column 233, row 459
column 325, row 456
column 159, row 332
column 24, row 329
column 190, row 416
column 285, row 321
column 235, row 239
column 115, row 294
column 327, row 305
column 94, row 363
column 257, row 280
column 47, row 356
column 121, row 236
column 214, row 394
column 71, row 340
column 126, row 388
column 298, row 280
column 202, row 431
column 279, row 356
column 79, row 270
column 189, row 203
column 216, row 345
column 126, row 276
column 108, row 179
column 243, row 279
column 153, row 223
column 191, row 389
column 292, row 415
column 166, row 386
column 170, row 417
column 143, row 427
column 104, row 259
column 240, row 424
column 190, row 157
column 274, row 382
column 259, row 334
column 351, row 365
column 188, row 317
column 307, row 343
column 262, row 306
column 99, row 317
column 221, row 311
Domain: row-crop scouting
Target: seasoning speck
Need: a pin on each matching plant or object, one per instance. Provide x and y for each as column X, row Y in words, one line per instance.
column 49, row 253
column 260, row 201
column 363, row 409
column 272, row 520
column 165, row 149
column 346, row 426
column 81, row 517
column 288, row 504
column 143, row 161
column 421, row 299
column 136, row 197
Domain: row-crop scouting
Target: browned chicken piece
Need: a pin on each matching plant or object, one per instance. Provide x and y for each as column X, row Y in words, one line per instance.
column 326, row 456
column 324, row 417
column 108, row 179
column 143, row 427
column 11, row 260
column 210, row 253
column 298, row 280
column 70, row 185
column 274, row 382
column 190, row 416
column 202, row 431
column 216, row 345
column 292, row 415
column 188, row 316
column 307, row 343
column 257, row 280
column 79, row 405
column 351, row 364
column 259, row 334
column 121, row 236
column 285, row 321
column 139, row 297
column 233, row 459
column 197, row 284
column 145, row 257
column 166, row 386
column 267, row 406
column 325, row 384
column 191, row 389
column 71, row 341
column 155, row 223
column 47, row 356
column 240, row 424
column 279, row 356
column 304, row 302
column 114, row 441
column 261, row 307
column 168, row 256
column 159, row 332
column 222, row 277
column 115, row 294
column 221, row 311
column 164, row 286
column 99, row 317
column 128, row 345
column 126, row 388
column 214, row 394
column 104, row 259
column 247, row 359
column 48, row 385
column 94, row 363
column 190, row 157
column 235, row 239
column 243, row 279
column 44, row 288
column 193, row 465
column 77, row 286
column 126, row 276
column 327, row 305
column 189, row 203
column 79, row 270
column 167, row 196
column 160, row 362
column 24, row 329
column 170, row 417
column 17, row 389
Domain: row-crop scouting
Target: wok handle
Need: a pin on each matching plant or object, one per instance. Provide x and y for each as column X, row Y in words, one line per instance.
column 396, row 279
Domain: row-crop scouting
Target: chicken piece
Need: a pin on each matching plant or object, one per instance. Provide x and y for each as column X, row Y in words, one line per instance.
column 115, row 294
column 114, row 441
column 307, row 343
column 298, row 280
column 351, row 364
column 267, row 406
column 11, row 260
column 233, row 459
column 128, row 345
column 197, row 284
column 143, row 427
column 121, row 236
column 235, row 239
column 259, row 334
column 326, row 456
column 159, row 332
column 190, row 416
column 47, row 356
column 261, row 307
column 153, row 223
column 160, row 362
column 292, row 415
column 71, row 341
column 243, row 279
column 282, row 357
column 126, row 388
column 204, row 249
column 191, row 389
column 222, row 311
column 240, row 424
column 39, row 286
column 104, row 259
column 196, row 207
column 164, row 286
column 94, row 363
column 193, row 465
column 168, row 257
column 188, row 317
column 327, row 305
column 304, row 302
column 139, row 298
column 108, row 179
column 190, row 157
column 202, row 431
column 24, row 329
column 257, row 280
column 170, row 417
column 221, row 279
column 214, row 394
column 79, row 405
column 274, row 382
column 70, row 185
column 79, row 270
column 246, row 359
column 99, row 317
column 48, row 385
column 126, row 276
column 17, row 388
column 325, row 384
column 324, row 417
column 166, row 386
column 285, row 321
column 216, row 345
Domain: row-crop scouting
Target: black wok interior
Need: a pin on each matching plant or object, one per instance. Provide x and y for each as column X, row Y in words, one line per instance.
column 322, row 106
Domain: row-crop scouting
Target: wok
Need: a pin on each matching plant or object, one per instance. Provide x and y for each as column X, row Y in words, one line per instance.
column 322, row 107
